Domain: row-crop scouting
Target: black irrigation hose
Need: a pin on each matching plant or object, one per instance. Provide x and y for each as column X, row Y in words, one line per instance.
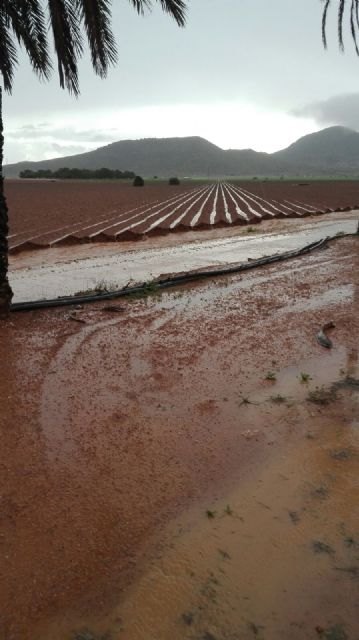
column 172, row 281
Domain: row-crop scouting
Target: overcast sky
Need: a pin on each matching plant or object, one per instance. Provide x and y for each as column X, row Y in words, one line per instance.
column 242, row 73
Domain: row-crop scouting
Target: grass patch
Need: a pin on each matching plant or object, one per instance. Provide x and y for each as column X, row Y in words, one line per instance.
column 278, row 399
column 350, row 542
column 321, row 547
column 102, row 286
column 149, row 288
column 304, row 377
column 271, row 376
column 320, row 492
column 333, row 633
column 341, row 454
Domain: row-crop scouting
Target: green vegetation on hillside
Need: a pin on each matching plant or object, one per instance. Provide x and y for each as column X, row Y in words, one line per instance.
column 78, row 174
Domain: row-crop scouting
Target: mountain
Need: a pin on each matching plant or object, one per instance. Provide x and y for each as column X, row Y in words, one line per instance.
column 335, row 148
column 332, row 151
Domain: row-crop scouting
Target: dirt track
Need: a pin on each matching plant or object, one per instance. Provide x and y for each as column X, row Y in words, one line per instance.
column 113, row 426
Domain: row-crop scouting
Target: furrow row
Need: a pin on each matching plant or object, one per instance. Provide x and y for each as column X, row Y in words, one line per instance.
column 218, row 204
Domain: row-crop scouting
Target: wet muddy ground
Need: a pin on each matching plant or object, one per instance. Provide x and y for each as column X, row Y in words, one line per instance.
column 49, row 273
column 186, row 467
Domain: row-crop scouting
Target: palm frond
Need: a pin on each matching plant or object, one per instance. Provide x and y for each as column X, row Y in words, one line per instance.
column 176, row 8
column 353, row 22
column 341, row 8
column 66, row 31
column 28, row 22
column 96, row 17
column 141, row 5
column 324, row 22
column 8, row 55
column 354, row 26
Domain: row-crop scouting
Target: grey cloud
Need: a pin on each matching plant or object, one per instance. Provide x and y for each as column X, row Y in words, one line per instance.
column 31, row 132
column 69, row 149
column 337, row 110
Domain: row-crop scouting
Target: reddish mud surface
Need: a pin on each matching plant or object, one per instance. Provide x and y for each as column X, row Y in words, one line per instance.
column 45, row 213
column 112, row 426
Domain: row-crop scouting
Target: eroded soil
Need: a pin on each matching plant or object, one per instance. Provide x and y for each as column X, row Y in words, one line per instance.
column 167, row 472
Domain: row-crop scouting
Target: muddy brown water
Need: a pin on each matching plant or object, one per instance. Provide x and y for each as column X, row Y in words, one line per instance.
column 167, row 472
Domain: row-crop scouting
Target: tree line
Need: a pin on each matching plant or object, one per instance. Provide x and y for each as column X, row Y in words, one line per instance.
column 64, row 173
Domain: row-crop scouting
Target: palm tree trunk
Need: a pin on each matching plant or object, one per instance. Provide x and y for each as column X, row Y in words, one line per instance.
column 5, row 289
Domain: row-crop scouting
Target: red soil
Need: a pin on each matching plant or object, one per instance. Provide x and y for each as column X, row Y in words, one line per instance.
column 111, row 426
column 46, row 213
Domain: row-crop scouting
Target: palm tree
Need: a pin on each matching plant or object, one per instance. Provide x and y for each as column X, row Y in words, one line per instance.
column 24, row 22
column 353, row 19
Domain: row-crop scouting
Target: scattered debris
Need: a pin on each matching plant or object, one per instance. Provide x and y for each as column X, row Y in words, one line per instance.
column 113, row 308
column 87, row 635
column 322, row 396
column 294, row 516
column 249, row 435
column 350, row 542
column 332, row 633
column 352, row 571
column 341, row 454
column 321, row 492
column 348, row 383
column 210, row 514
column 322, row 547
column 322, row 338
column 188, row 618
column 255, row 628
column 74, row 316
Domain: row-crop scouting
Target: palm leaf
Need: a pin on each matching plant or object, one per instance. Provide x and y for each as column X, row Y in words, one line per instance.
column 28, row 22
column 176, row 8
column 66, row 31
column 96, row 16
column 353, row 21
column 8, row 55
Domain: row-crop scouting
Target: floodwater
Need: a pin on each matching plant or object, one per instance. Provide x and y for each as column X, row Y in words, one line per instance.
column 50, row 273
column 186, row 468
column 277, row 557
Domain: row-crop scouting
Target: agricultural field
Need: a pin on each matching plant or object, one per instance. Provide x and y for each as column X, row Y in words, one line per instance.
column 46, row 213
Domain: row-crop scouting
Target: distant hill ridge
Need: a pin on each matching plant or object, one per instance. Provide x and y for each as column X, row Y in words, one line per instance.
column 332, row 151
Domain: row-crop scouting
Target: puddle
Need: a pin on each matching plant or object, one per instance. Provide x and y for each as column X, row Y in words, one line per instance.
column 275, row 557
column 274, row 561
column 50, row 279
column 277, row 554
